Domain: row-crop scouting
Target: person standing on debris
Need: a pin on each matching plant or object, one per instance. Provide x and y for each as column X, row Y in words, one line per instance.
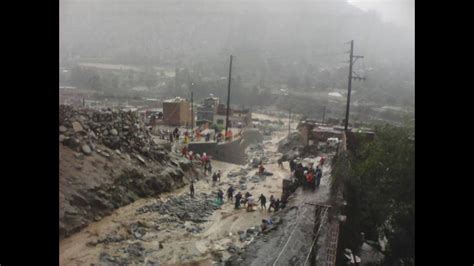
column 261, row 169
column 272, row 203
column 247, row 195
column 186, row 137
column 209, row 167
column 218, row 174
column 191, row 157
column 220, row 197
column 204, row 162
column 250, row 202
column 321, row 161
column 198, row 134
column 319, row 174
column 299, row 173
column 184, row 151
column 292, row 165
column 230, row 193
column 277, row 205
column 310, row 179
column 214, row 178
column 191, row 189
column 263, row 201
column 176, row 133
column 238, row 198
column 280, row 163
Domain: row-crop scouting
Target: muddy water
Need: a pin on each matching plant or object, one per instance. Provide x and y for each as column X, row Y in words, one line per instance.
column 172, row 244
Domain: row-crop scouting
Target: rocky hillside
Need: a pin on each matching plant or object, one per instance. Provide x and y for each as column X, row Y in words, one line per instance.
column 108, row 159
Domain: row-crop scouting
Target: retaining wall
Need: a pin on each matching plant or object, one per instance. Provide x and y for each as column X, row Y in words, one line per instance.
column 230, row 152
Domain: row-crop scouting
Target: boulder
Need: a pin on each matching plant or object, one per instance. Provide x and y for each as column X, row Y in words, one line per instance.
column 86, row 149
column 77, row 126
column 72, row 143
column 62, row 129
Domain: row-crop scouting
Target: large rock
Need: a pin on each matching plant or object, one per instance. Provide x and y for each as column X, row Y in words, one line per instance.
column 86, row 149
column 62, row 129
column 77, row 127
column 114, row 132
column 72, row 143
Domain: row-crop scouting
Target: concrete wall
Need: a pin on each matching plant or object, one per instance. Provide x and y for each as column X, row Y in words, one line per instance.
column 230, row 152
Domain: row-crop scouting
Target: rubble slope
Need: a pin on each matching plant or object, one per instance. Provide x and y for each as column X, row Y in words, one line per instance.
column 108, row 159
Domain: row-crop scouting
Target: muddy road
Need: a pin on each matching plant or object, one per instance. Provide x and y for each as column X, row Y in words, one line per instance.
column 175, row 229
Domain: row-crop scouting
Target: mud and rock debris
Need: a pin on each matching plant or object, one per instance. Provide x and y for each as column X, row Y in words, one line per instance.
column 83, row 129
column 184, row 207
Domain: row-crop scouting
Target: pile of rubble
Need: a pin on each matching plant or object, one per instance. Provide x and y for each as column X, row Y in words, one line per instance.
column 267, row 127
column 184, row 207
column 120, row 137
column 83, row 129
column 236, row 173
column 256, row 154
column 295, row 140
column 132, row 254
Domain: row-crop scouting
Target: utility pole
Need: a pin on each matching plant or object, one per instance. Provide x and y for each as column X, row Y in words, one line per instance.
column 289, row 122
column 324, row 114
column 352, row 59
column 192, row 112
column 228, row 97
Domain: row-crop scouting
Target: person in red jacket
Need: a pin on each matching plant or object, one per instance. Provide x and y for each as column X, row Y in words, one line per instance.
column 184, row 151
column 310, row 179
column 321, row 161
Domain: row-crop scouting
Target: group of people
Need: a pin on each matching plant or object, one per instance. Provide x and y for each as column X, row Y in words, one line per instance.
column 196, row 134
column 248, row 200
column 204, row 159
column 308, row 176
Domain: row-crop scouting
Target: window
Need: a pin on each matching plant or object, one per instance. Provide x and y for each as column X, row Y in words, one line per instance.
column 220, row 121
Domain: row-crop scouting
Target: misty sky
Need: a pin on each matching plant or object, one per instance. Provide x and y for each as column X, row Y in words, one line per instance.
column 400, row 12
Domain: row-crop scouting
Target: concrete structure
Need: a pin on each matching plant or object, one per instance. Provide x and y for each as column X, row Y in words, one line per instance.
column 235, row 117
column 230, row 152
column 176, row 112
column 314, row 132
column 206, row 112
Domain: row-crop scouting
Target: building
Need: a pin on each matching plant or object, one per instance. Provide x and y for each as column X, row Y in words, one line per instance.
column 176, row 112
column 314, row 132
column 237, row 117
column 206, row 112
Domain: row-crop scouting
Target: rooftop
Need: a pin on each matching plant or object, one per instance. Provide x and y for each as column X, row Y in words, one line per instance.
column 176, row 100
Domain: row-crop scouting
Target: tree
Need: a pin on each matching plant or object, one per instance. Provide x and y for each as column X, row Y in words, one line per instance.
column 383, row 180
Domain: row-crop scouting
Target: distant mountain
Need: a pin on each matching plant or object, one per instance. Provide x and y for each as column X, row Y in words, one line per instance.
column 287, row 41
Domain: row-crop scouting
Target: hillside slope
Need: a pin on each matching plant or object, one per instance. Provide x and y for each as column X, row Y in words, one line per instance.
column 100, row 171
